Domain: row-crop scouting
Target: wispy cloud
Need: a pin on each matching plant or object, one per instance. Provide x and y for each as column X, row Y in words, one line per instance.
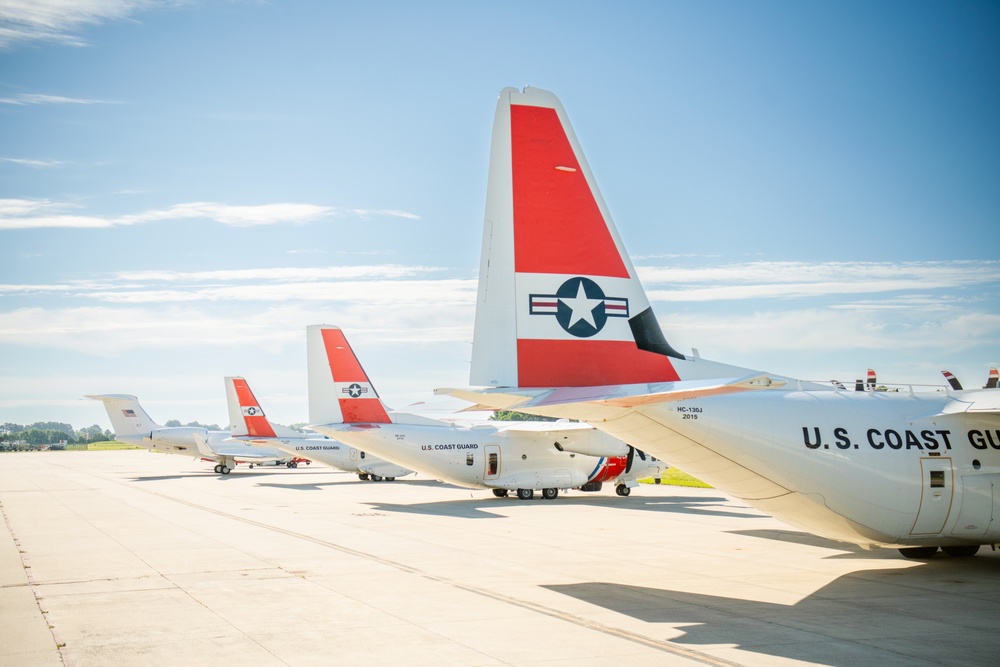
column 59, row 21
column 758, row 280
column 37, row 214
column 39, row 164
column 33, row 98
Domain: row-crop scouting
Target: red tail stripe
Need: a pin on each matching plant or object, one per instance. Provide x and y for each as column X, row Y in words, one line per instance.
column 257, row 425
column 558, row 227
column 588, row 363
column 344, row 367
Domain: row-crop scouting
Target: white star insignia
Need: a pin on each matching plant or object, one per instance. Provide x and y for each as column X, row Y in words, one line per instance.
column 582, row 307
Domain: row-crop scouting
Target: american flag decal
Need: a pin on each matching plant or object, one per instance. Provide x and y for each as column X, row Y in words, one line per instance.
column 128, row 413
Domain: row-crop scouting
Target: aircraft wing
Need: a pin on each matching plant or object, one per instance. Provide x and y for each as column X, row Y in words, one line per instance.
column 231, row 447
column 606, row 401
column 973, row 401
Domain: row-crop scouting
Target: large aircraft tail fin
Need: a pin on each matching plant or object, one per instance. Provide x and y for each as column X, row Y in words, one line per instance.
column 246, row 417
column 559, row 301
column 994, row 377
column 952, row 380
column 339, row 389
column 127, row 417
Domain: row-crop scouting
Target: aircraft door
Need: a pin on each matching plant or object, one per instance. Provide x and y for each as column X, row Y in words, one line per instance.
column 492, row 462
column 354, row 454
column 975, row 515
column 936, row 495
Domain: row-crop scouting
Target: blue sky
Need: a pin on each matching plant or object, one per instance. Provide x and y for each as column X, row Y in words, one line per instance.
column 806, row 188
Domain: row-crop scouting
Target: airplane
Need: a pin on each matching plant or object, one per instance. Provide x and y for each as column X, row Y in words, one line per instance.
column 248, row 423
column 497, row 455
column 563, row 328
column 992, row 380
column 134, row 426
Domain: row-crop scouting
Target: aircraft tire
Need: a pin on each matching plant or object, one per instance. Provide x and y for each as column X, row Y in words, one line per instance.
column 622, row 490
column 224, row 469
column 376, row 478
column 390, row 479
column 363, row 476
column 218, row 469
column 525, row 494
column 550, row 494
column 963, row 551
column 500, row 493
column 918, row 553
column 251, row 466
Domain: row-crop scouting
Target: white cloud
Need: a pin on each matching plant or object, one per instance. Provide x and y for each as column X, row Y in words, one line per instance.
column 757, row 280
column 36, row 214
column 35, row 98
column 59, row 21
column 40, row 164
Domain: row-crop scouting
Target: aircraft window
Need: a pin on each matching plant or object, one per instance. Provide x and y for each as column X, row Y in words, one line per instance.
column 362, row 455
column 469, row 460
column 494, row 463
column 976, row 464
column 524, row 457
column 937, row 479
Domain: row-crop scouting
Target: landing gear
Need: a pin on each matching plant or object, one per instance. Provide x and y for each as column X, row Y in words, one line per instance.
column 224, row 469
column 390, row 479
column 218, row 469
column 525, row 494
column 251, row 466
column 292, row 464
column 550, row 494
column 622, row 490
column 919, row 553
column 963, row 551
column 376, row 478
column 363, row 476
column 500, row 493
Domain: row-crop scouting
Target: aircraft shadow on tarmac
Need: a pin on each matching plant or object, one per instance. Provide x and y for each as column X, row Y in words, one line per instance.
column 478, row 507
column 898, row 610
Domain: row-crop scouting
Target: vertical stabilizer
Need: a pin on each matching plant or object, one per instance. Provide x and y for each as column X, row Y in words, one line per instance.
column 991, row 382
column 127, row 416
column 246, row 417
column 559, row 301
column 339, row 389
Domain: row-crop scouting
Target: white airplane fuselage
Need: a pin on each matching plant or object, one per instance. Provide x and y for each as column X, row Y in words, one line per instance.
column 488, row 456
column 334, row 454
column 873, row 468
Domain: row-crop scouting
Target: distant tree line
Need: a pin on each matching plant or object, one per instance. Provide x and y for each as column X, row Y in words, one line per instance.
column 17, row 436
column 177, row 422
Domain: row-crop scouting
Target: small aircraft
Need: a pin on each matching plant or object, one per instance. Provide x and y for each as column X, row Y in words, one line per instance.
column 564, row 329
column 503, row 456
column 249, row 424
column 134, row 426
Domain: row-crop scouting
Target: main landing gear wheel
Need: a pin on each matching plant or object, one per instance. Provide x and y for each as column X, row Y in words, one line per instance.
column 390, row 479
column 500, row 493
column 224, row 469
column 525, row 494
column 292, row 464
column 376, row 478
column 622, row 490
column 218, row 469
column 963, row 551
column 919, row 553
column 251, row 466
column 549, row 494
column 363, row 476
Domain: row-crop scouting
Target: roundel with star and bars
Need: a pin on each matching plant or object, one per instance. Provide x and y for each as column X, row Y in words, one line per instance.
column 580, row 307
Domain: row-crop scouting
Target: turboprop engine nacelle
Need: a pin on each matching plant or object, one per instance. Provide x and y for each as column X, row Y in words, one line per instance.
column 595, row 443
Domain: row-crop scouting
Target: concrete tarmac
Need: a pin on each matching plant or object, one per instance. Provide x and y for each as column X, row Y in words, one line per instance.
column 134, row 558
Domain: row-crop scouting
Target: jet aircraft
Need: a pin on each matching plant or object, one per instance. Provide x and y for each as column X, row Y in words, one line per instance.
column 503, row 456
column 134, row 426
column 564, row 328
column 250, row 424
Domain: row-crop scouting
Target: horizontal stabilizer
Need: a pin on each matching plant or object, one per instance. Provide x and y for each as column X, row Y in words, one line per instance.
column 608, row 401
